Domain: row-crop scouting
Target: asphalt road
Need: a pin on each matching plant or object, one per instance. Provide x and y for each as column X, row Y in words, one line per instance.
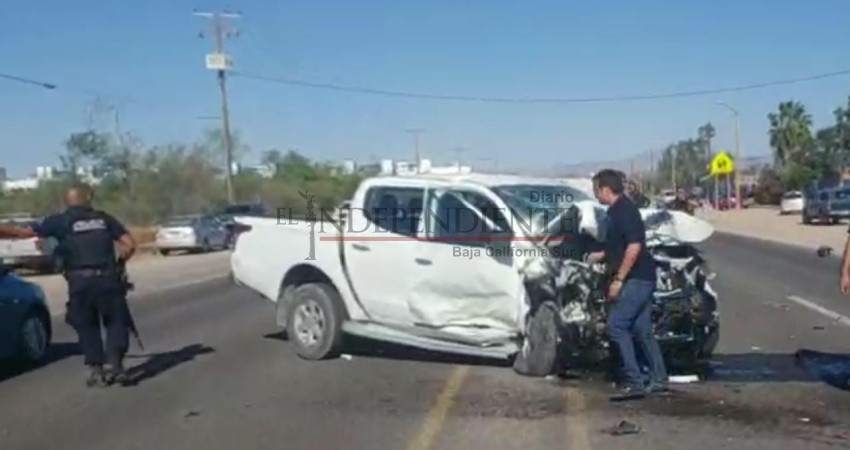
column 218, row 376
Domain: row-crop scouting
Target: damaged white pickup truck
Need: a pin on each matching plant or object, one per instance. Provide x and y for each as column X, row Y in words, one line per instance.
column 480, row 265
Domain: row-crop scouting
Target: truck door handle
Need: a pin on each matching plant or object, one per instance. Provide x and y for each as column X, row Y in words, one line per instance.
column 423, row 261
column 360, row 247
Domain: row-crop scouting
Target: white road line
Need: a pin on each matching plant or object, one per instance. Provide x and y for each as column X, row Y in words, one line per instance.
column 837, row 318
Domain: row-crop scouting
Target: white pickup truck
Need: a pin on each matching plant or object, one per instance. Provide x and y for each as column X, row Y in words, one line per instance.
column 457, row 278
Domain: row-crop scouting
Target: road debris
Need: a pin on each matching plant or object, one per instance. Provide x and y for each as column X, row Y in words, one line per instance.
column 191, row 413
column 346, row 356
column 805, row 419
column 683, row 379
column 824, row 251
column 755, row 349
column 623, row 428
column 819, row 327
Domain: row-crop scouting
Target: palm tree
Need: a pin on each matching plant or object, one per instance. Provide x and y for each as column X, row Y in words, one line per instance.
column 706, row 133
column 790, row 131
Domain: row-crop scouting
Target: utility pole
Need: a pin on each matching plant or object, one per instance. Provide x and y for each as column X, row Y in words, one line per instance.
column 460, row 151
column 416, row 155
column 126, row 156
column 673, row 171
column 221, row 63
column 652, row 171
column 737, row 162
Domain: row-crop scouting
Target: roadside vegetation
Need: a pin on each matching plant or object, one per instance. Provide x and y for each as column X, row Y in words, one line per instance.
column 802, row 154
column 143, row 185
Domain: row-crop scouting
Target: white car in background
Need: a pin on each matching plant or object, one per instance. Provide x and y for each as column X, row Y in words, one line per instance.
column 792, row 203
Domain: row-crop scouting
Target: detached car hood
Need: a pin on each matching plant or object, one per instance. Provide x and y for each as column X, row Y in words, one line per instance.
column 660, row 224
column 663, row 227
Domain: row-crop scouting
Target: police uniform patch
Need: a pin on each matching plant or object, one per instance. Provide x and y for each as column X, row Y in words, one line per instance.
column 81, row 226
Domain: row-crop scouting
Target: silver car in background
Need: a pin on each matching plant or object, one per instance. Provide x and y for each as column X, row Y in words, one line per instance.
column 193, row 233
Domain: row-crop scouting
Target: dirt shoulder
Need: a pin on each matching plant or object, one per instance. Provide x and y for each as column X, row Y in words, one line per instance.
column 149, row 273
column 768, row 224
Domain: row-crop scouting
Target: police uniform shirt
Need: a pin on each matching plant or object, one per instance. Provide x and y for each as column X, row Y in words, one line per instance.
column 56, row 225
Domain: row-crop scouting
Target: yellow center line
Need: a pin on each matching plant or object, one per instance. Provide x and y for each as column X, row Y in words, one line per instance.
column 437, row 414
column 577, row 435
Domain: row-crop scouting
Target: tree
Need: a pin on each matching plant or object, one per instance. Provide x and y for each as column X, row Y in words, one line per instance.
column 790, row 131
column 85, row 147
column 770, row 188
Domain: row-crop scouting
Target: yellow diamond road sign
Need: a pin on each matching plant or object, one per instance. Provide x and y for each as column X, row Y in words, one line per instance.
column 722, row 164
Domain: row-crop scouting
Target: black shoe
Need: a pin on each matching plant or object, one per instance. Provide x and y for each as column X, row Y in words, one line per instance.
column 117, row 374
column 96, row 377
column 628, row 393
column 122, row 378
column 658, row 389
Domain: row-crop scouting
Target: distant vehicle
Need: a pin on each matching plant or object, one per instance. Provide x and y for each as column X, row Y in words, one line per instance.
column 33, row 253
column 792, row 203
column 226, row 215
column 25, row 328
column 668, row 196
column 195, row 233
column 827, row 205
column 245, row 209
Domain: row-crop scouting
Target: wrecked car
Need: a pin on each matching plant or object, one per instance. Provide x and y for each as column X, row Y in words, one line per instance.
column 567, row 319
column 479, row 265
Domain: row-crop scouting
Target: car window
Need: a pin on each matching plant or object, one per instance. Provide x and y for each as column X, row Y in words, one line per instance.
column 180, row 222
column 395, row 209
column 457, row 217
column 791, row 195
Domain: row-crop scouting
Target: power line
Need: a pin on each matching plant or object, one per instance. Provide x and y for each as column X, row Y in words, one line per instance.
column 28, row 81
column 462, row 98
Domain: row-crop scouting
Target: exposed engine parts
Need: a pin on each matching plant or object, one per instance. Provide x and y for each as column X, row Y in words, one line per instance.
column 568, row 310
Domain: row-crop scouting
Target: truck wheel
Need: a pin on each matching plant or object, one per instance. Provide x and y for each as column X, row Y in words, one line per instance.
column 314, row 322
column 539, row 352
column 807, row 220
column 164, row 252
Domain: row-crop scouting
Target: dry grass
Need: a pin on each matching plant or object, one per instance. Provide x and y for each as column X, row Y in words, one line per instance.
column 143, row 235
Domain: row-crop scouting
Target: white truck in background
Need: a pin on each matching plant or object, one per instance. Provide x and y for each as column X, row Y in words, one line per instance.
column 33, row 254
column 467, row 276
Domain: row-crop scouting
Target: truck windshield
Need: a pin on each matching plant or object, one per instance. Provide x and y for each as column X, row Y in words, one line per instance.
column 538, row 204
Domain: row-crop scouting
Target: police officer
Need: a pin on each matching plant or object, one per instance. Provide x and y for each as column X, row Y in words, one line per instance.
column 87, row 239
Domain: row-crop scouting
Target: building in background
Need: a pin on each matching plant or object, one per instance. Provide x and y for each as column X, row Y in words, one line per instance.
column 87, row 174
column 263, row 170
column 406, row 168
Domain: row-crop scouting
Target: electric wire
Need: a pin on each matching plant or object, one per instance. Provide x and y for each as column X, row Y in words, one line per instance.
column 481, row 99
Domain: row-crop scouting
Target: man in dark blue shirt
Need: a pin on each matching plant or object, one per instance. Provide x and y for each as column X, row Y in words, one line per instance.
column 87, row 244
column 632, row 288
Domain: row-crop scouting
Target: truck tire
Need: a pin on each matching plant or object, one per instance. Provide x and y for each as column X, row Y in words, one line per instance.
column 314, row 321
column 539, row 353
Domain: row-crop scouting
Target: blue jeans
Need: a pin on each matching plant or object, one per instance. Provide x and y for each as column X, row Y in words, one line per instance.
column 630, row 320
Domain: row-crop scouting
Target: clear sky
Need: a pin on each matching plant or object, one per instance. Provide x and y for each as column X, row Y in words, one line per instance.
column 148, row 54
